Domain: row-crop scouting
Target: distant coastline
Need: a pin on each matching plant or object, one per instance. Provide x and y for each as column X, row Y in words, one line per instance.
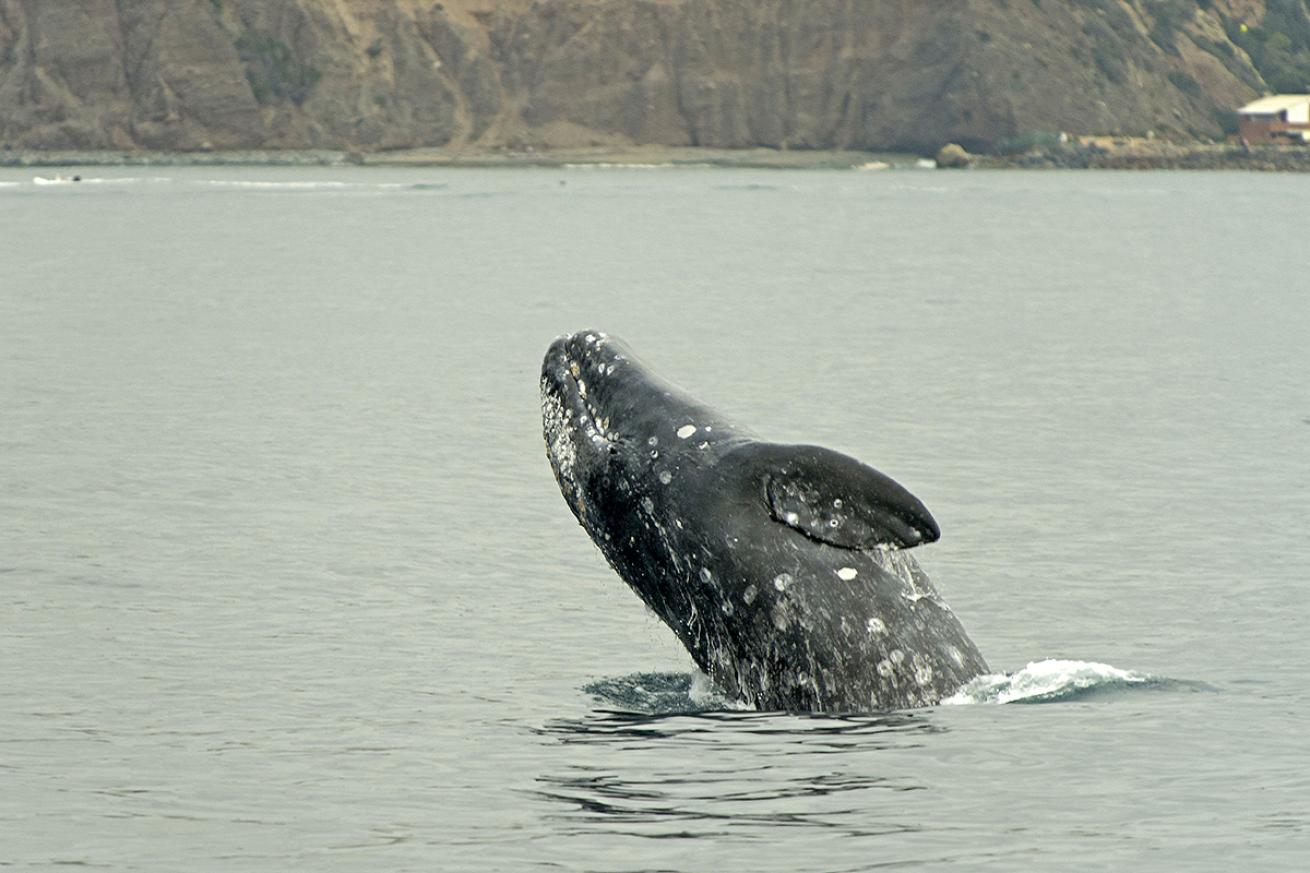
column 636, row 156
column 1096, row 153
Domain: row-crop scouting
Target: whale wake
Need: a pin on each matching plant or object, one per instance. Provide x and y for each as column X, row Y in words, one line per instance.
column 1046, row 681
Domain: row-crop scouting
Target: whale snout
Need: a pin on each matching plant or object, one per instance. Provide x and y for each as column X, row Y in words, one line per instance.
column 593, row 355
column 577, row 420
column 585, row 358
column 597, row 371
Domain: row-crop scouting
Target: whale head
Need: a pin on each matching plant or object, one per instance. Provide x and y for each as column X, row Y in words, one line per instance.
column 608, row 420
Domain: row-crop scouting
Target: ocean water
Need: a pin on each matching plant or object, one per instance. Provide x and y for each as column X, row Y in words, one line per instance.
column 287, row 583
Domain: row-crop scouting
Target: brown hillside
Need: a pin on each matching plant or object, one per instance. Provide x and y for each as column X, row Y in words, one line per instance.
column 384, row 74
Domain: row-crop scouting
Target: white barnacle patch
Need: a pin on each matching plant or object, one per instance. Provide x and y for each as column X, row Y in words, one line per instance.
column 791, row 518
column 706, row 576
column 560, row 435
column 678, row 523
column 686, row 430
column 665, row 477
column 836, row 504
column 897, row 656
column 703, row 445
column 922, row 672
column 877, row 626
column 748, row 596
column 574, row 369
column 846, row 574
column 648, row 505
column 582, row 388
column 884, row 668
column 653, row 441
column 782, row 580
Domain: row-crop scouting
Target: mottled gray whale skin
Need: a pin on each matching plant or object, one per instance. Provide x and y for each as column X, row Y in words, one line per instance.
column 781, row 568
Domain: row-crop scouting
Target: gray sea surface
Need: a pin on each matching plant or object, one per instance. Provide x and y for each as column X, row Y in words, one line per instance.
column 286, row 582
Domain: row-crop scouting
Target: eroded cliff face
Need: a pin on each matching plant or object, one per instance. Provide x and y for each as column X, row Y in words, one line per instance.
column 385, row 74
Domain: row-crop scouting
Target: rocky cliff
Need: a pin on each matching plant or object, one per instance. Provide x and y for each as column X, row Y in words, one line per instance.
column 387, row 74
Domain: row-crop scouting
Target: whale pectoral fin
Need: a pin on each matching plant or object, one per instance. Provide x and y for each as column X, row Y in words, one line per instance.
column 835, row 499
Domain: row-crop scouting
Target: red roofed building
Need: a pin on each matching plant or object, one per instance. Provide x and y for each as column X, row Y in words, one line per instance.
column 1280, row 118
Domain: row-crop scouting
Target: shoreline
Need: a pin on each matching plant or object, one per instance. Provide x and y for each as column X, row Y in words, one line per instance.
column 1127, row 153
column 637, row 156
column 1085, row 153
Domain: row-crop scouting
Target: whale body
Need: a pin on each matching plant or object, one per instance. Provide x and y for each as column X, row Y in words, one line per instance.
column 783, row 569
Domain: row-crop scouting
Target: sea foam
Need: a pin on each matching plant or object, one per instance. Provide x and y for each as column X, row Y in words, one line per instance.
column 1046, row 681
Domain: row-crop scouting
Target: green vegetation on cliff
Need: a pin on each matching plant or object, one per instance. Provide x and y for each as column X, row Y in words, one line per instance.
column 273, row 71
column 1279, row 46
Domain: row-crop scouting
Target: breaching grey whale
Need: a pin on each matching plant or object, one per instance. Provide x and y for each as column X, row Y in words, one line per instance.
column 781, row 568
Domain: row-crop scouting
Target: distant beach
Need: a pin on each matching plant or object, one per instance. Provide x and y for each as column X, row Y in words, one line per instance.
column 1097, row 153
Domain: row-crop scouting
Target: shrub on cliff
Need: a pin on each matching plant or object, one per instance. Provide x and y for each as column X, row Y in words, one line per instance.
column 273, row 71
column 1279, row 46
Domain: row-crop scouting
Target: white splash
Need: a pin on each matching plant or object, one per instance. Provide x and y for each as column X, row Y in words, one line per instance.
column 704, row 694
column 1042, row 679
